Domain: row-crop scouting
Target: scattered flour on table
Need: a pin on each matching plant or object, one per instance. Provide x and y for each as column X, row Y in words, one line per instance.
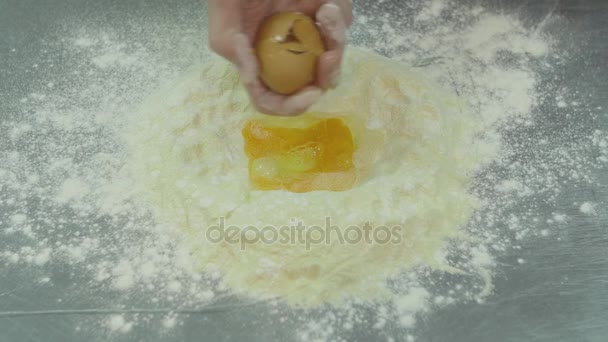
column 118, row 323
column 587, row 208
column 69, row 201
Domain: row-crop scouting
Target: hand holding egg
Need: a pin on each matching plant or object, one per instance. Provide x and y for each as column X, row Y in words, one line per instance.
column 288, row 46
column 294, row 58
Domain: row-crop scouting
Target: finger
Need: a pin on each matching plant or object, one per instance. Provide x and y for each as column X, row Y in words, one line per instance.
column 310, row 7
column 328, row 69
column 272, row 103
column 346, row 8
column 333, row 27
column 300, row 102
column 245, row 59
column 255, row 12
column 224, row 21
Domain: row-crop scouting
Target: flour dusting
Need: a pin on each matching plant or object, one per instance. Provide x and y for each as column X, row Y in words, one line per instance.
column 70, row 204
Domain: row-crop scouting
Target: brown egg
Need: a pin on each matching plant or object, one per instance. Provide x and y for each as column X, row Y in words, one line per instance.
column 288, row 46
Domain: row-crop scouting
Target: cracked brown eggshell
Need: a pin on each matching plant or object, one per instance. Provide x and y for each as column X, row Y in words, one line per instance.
column 288, row 46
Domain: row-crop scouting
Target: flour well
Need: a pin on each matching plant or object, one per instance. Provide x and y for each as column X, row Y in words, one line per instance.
column 414, row 154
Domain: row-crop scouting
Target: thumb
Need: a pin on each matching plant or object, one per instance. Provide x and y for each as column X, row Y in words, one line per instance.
column 333, row 25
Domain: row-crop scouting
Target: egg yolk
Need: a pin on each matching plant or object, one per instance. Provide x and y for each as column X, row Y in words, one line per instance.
column 317, row 157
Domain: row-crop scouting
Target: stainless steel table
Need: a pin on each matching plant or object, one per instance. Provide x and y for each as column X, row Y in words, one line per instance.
column 559, row 294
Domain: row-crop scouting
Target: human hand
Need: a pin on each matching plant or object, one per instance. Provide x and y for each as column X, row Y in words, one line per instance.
column 233, row 25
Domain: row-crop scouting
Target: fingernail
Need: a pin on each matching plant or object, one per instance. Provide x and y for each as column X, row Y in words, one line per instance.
column 332, row 5
column 327, row 14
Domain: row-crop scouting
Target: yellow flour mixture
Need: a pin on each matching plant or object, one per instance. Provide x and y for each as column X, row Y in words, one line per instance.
column 415, row 151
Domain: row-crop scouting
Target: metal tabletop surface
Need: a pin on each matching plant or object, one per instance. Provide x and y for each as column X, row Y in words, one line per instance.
column 559, row 294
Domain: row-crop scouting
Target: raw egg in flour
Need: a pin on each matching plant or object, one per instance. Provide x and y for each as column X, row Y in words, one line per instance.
column 317, row 155
column 288, row 46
